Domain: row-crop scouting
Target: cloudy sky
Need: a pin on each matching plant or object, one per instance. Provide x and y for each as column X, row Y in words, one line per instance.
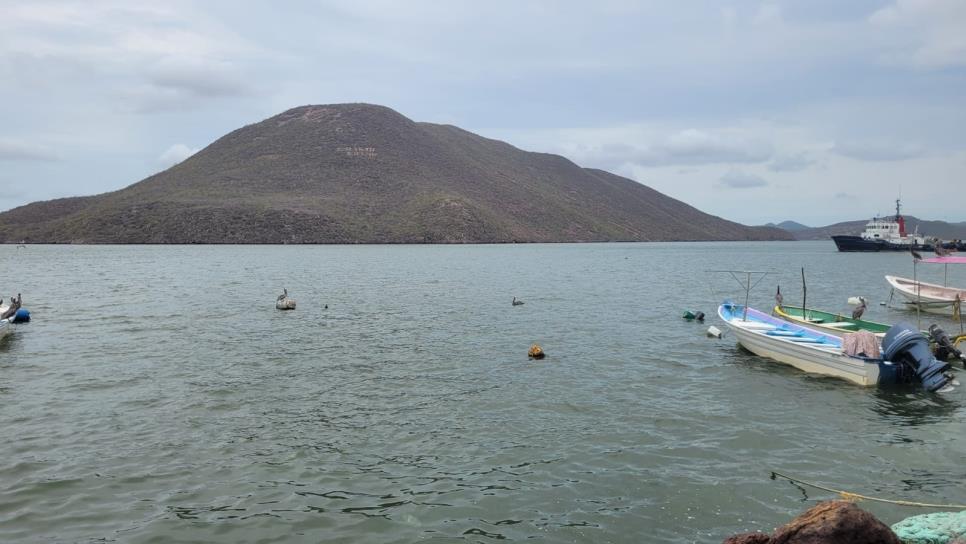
column 817, row 111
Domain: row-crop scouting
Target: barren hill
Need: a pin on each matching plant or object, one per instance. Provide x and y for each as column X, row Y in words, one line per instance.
column 358, row 173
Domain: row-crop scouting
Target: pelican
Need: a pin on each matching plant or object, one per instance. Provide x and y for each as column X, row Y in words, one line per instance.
column 15, row 303
column 283, row 302
column 915, row 254
column 516, row 302
column 778, row 296
column 860, row 309
column 937, row 247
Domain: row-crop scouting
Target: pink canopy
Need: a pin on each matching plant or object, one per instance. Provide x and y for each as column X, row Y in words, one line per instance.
column 952, row 259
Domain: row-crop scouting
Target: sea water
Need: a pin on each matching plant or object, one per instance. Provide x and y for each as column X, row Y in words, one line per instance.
column 158, row 396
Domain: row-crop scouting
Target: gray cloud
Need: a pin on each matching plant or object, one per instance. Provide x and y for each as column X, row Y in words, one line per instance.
column 175, row 154
column 18, row 151
column 791, row 163
column 933, row 32
column 737, row 179
column 199, row 77
column 871, row 151
column 9, row 193
column 163, row 58
column 179, row 84
column 684, row 148
column 702, row 147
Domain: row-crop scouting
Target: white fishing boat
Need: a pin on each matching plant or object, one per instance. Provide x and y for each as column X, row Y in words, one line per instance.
column 930, row 297
column 820, row 353
column 4, row 327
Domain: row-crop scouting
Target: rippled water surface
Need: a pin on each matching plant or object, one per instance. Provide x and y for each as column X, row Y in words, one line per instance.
column 158, row 396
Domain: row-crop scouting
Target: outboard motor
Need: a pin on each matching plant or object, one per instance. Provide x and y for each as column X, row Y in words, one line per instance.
column 944, row 346
column 903, row 344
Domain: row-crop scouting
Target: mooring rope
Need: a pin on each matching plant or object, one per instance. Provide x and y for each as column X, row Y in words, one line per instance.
column 854, row 497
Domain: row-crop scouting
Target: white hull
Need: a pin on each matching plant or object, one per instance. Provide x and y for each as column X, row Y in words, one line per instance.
column 931, row 298
column 826, row 361
column 4, row 328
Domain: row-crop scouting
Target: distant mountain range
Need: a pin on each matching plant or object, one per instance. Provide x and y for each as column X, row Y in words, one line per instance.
column 790, row 226
column 940, row 229
column 359, row 173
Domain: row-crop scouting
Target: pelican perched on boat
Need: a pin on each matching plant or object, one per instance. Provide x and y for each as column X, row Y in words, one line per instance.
column 860, row 309
column 9, row 312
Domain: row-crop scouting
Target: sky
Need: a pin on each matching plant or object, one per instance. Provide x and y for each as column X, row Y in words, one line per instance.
column 816, row 111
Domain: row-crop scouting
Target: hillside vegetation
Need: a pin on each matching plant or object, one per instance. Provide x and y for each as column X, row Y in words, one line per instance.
column 358, row 173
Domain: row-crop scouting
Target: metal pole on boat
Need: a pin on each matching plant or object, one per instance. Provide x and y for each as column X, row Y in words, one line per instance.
column 958, row 311
column 915, row 280
column 804, row 292
column 744, row 316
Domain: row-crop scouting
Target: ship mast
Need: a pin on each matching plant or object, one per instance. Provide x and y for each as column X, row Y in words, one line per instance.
column 901, row 221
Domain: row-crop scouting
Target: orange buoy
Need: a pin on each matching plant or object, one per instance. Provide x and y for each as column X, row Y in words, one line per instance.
column 536, row 352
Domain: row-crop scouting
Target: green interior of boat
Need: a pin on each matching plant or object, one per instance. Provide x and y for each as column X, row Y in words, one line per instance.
column 829, row 319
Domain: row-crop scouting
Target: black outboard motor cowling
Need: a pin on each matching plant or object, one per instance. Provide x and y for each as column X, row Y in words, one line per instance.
column 944, row 346
column 903, row 344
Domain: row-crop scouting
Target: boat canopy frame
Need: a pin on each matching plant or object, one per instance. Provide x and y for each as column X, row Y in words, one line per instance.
column 746, row 283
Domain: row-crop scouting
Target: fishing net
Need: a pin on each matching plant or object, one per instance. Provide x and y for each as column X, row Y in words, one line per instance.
column 938, row 528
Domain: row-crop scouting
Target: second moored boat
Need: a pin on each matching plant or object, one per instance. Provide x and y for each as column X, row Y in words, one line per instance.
column 828, row 322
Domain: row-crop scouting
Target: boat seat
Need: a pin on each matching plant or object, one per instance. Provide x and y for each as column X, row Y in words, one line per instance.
column 755, row 325
column 806, row 340
column 783, row 333
column 841, row 325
